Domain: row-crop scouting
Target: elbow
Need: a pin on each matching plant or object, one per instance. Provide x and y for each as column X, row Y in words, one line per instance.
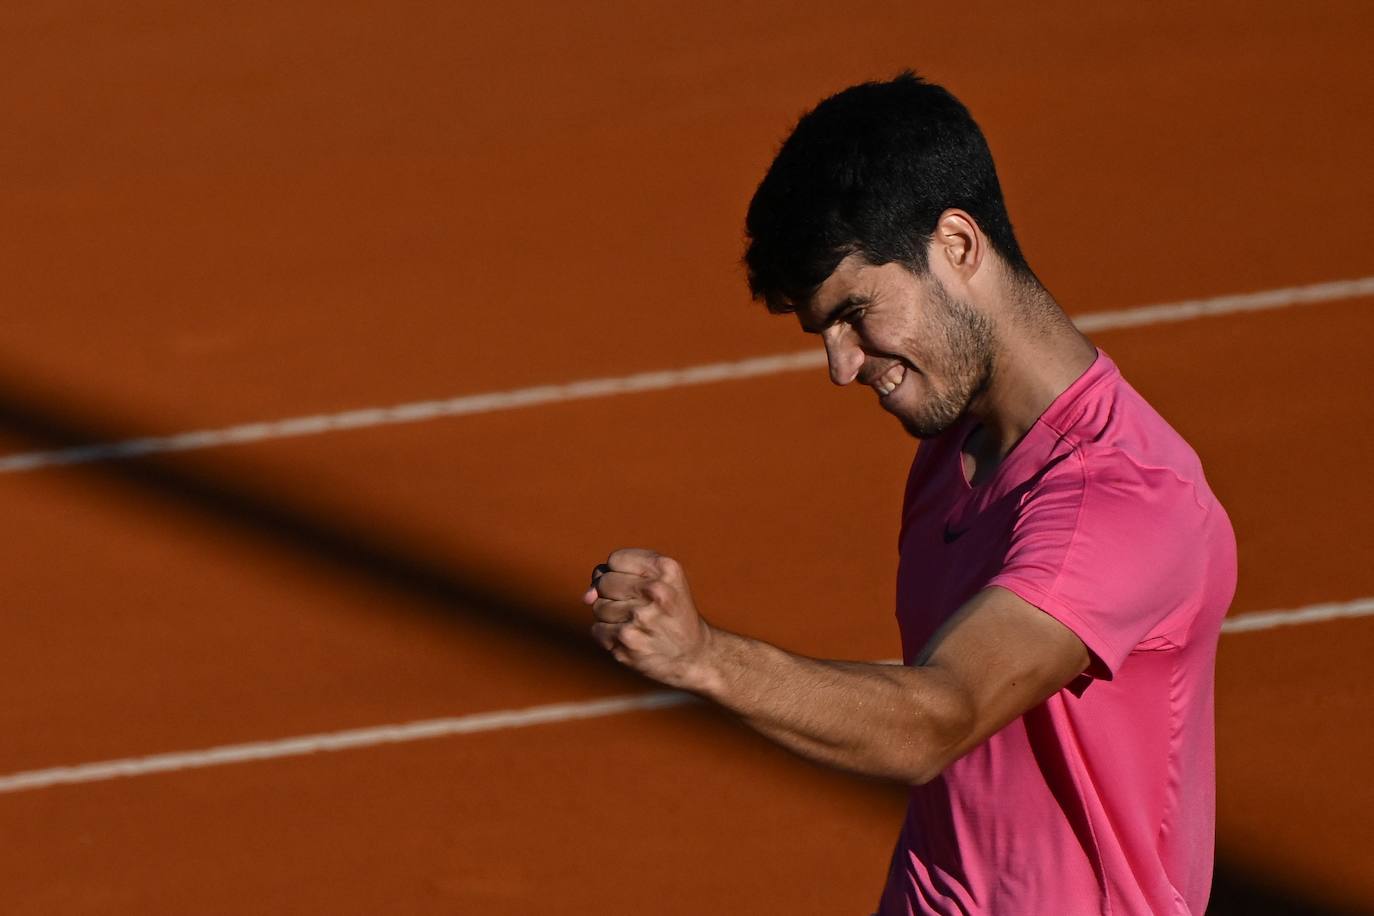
column 945, row 733
column 929, row 767
column 928, row 771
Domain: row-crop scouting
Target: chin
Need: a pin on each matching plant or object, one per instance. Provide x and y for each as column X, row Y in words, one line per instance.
column 922, row 431
column 928, row 426
column 933, row 415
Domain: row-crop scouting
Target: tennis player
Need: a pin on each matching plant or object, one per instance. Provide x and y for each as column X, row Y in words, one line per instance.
column 1064, row 567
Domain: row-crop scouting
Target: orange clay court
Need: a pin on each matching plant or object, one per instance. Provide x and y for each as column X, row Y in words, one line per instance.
column 218, row 217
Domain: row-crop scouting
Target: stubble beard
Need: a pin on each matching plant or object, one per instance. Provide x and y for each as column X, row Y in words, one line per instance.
column 966, row 336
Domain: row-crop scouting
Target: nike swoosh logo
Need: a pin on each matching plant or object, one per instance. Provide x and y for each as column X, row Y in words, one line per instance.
column 951, row 535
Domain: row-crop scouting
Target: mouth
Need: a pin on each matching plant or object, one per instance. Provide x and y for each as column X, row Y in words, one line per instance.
column 890, row 380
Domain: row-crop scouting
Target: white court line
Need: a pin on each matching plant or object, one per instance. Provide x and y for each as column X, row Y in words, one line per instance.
column 645, row 381
column 498, row 721
column 338, row 741
column 1313, row 613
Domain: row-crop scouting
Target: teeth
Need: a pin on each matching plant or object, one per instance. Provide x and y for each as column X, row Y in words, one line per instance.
column 889, row 380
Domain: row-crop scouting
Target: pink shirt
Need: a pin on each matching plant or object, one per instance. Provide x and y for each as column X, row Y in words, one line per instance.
column 1101, row 799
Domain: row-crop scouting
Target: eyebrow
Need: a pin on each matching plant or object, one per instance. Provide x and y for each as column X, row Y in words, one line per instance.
column 848, row 302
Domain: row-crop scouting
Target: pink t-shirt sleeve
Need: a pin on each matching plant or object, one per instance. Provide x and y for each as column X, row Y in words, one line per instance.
column 1099, row 545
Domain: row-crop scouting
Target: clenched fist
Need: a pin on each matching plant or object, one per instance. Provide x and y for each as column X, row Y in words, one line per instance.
column 646, row 618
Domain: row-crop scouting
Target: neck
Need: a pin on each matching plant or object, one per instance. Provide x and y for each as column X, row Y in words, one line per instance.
column 1037, row 355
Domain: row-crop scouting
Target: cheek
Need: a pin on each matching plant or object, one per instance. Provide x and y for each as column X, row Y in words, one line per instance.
column 912, row 348
column 884, row 339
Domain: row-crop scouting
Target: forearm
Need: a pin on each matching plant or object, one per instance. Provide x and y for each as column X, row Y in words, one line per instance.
column 880, row 720
column 995, row 658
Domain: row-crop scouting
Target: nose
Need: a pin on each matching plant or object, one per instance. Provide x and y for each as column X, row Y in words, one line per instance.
column 843, row 354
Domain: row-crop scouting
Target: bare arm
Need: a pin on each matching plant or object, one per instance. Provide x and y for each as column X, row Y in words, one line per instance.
column 995, row 659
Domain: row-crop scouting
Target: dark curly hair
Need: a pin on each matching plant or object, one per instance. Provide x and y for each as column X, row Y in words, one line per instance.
column 869, row 171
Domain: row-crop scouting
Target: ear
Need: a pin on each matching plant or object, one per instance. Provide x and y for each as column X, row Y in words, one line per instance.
column 958, row 245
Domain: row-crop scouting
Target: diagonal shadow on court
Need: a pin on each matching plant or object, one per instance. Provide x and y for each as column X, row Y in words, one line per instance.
column 479, row 600
column 1239, row 890
column 466, row 597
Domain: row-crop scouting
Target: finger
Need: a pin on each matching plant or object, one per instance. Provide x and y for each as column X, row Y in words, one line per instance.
column 589, row 596
column 605, row 635
column 619, row 586
column 617, row 612
column 634, row 560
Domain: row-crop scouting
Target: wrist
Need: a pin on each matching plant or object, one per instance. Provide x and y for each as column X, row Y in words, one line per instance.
column 705, row 676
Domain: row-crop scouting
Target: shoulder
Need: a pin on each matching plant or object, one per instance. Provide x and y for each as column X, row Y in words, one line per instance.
column 1116, row 450
column 1097, row 489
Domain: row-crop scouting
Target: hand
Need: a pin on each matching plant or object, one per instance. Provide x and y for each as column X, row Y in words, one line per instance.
column 646, row 617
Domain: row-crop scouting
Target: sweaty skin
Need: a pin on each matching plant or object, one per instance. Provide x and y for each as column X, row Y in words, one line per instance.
column 965, row 338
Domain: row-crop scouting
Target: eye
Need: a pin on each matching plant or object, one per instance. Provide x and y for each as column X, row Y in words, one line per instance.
column 855, row 316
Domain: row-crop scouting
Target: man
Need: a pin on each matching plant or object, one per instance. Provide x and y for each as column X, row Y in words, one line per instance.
column 1064, row 568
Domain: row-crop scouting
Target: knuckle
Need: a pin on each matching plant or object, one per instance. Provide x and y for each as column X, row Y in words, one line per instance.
column 668, row 568
column 629, row 638
column 657, row 592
